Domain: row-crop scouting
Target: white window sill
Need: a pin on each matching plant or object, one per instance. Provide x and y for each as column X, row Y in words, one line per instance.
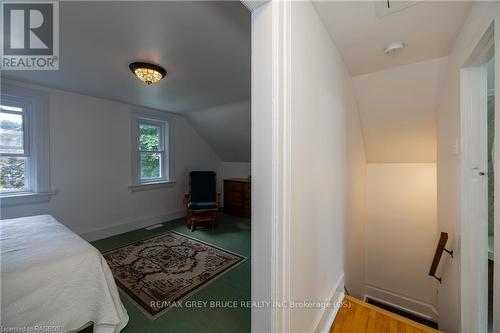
column 151, row 186
column 14, row 199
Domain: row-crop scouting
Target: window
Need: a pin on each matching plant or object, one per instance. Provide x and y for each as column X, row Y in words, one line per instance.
column 151, row 150
column 14, row 147
column 23, row 146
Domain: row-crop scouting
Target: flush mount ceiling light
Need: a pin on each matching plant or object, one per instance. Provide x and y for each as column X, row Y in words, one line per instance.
column 147, row 73
column 394, row 47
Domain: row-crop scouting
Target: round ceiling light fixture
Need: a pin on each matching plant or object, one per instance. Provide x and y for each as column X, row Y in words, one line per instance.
column 147, row 73
column 394, row 47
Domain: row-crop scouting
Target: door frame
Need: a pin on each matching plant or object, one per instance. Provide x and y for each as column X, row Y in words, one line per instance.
column 473, row 192
column 271, row 164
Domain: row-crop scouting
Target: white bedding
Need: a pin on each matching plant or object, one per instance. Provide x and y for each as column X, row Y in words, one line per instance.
column 50, row 276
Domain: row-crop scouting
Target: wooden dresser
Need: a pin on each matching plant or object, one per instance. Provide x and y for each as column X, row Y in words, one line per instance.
column 237, row 196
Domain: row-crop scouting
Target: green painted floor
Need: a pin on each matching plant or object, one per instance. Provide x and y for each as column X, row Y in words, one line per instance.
column 233, row 234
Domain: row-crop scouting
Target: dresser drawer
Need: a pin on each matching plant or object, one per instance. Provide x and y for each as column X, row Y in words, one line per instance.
column 233, row 196
column 247, row 188
column 231, row 186
column 237, row 197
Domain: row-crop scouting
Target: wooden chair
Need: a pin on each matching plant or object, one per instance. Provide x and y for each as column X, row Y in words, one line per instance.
column 202, row 201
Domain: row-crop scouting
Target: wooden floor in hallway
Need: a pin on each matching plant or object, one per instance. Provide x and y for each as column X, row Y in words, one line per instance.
column 360, row 317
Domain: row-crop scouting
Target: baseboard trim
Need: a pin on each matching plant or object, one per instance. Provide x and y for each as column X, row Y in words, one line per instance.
column 121, row 228
column 336, row 296
column 408, row 304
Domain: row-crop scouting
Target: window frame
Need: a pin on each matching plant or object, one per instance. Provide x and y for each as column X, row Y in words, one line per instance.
column 165, row 122
column 36, row 145
column 26, row 114
column 163, row 132
column 27, row 143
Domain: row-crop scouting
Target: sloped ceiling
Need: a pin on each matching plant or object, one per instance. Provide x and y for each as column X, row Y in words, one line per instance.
column 253, row 4
column 429, row 28
column 226, row 129
column 396, row 93
column 204, row 46
column 397, row 109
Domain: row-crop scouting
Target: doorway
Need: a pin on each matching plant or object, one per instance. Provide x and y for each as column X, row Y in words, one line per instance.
column 478, row 187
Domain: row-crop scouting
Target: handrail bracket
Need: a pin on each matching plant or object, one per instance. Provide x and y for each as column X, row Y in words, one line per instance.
column 437, row 256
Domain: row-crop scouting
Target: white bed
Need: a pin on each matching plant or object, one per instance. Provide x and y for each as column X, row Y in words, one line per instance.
column 52, row 277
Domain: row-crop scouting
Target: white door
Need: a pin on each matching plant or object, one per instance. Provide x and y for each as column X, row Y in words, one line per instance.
column 474, row 200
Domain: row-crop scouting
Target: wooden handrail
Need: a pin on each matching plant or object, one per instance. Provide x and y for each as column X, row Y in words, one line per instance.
column 437, row 256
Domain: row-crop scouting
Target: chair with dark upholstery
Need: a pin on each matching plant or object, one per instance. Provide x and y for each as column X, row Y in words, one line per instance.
column 202, row 202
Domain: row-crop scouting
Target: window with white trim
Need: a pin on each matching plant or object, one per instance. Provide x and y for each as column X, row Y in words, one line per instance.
column 151, row 150
column 14, row 146
column 24, row 160
column 151, row 163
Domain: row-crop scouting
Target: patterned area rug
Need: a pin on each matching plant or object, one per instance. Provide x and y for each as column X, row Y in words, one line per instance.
column 164, row 269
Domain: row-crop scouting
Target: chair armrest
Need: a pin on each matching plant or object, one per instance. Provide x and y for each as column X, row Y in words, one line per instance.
column 218, row 200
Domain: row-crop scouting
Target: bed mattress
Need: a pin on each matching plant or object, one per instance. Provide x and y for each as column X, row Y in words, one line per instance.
column 52, row 277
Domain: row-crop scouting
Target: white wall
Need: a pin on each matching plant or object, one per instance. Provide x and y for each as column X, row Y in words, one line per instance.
column 236, row 170
column 398, row 111
column 262, row 167
column 354, row 256
column 90, row 167
column 448, row 117
column 323, row 123
column 397, row 108
column 401, row 235
column 321, row 99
